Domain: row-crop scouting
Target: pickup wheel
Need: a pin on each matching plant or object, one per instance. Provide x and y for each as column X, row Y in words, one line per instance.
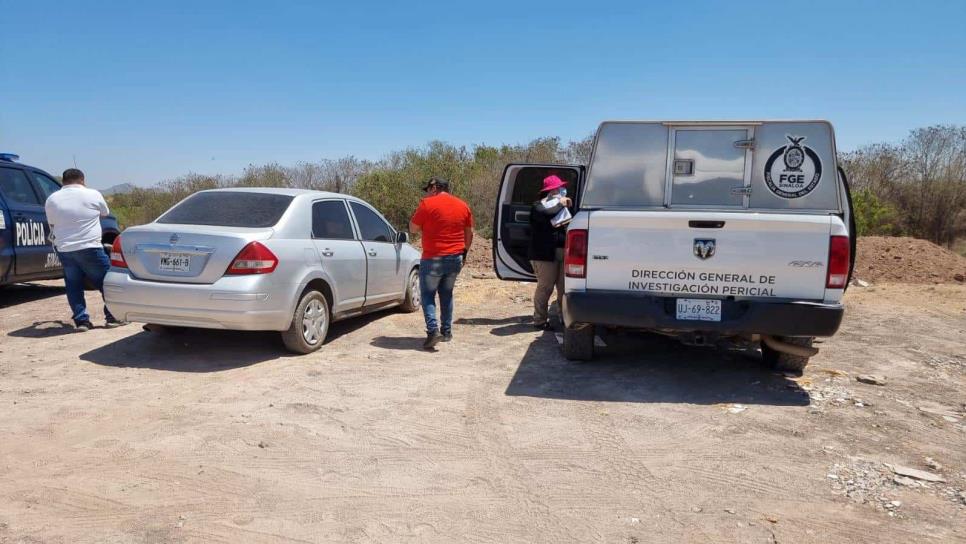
column 412, row 300
column 785, row 361
column 310, row 324
column 578, row 342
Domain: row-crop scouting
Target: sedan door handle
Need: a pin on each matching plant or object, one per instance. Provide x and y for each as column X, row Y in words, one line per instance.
column 372, row 253
column 327, row 252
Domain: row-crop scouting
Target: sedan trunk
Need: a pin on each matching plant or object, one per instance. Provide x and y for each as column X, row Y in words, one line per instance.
column 185, row 253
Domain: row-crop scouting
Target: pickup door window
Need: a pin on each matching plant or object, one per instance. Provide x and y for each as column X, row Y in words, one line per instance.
column 343, row 258
column 33, row 254
column 386, row 281
column 520, row 188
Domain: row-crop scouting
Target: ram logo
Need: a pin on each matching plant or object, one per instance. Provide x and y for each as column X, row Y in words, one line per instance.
column 704, row 248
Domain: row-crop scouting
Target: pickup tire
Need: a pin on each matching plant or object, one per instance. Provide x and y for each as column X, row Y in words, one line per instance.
column 411, row 301
column 578, row 342
column 785, row 361
column 310, row 324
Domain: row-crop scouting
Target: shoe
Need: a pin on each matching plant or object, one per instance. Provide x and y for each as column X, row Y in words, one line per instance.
column 448, row 336
column 114, row 323
column 545, row 326
column 84, row 326
column 432, row 339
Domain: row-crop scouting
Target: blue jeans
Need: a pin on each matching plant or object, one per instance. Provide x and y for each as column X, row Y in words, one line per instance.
column 439, row 275
column 92, row 264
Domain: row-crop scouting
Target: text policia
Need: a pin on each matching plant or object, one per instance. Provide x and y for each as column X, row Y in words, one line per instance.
column 31, row 233
column 701, row 283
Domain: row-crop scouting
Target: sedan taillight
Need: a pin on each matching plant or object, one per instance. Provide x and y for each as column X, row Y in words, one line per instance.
column 254, row 258
column 117, row 256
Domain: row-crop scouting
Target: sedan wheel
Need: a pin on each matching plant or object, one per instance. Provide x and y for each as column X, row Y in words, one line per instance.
column 314, row 322
column 310, row 324
column 412, row 299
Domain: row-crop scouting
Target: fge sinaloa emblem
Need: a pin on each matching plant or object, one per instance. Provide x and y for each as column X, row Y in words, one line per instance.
column 797, row 174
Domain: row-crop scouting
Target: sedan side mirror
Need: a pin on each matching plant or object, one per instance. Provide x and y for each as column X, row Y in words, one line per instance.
column 402, row 237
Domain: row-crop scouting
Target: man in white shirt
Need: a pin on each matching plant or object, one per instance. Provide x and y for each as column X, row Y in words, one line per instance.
column 74, row 215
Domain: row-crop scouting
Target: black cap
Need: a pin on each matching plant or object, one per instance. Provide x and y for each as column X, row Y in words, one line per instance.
column 434, row 181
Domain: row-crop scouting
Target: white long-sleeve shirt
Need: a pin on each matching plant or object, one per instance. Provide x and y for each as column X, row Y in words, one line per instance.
column 74, row 215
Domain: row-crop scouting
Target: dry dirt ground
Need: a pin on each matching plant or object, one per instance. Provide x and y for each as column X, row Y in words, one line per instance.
column 127, row 436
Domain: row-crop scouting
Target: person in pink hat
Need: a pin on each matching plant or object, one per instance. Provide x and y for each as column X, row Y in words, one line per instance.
column 548, row 234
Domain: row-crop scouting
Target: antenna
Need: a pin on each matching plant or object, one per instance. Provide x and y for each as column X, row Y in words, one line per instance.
column 75, row 161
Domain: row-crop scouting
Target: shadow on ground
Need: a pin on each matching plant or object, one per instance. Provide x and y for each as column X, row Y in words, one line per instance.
column 45, row 329
column 487, row 321
column 353, row 324
column 206, row 350
column 20, row 293
column 638, row 367
column 507, row 326
column 189, row 350
column 404, row 343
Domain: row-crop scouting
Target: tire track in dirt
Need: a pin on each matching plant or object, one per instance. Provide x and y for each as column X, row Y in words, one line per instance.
column 483, row 420
column 626, row 474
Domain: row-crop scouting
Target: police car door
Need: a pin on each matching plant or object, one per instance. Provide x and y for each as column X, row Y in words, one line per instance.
column 44, row 185
column 519, row 189
column 26, row 225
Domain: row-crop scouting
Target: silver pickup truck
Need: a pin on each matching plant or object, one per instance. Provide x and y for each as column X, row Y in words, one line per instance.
column 737, row 232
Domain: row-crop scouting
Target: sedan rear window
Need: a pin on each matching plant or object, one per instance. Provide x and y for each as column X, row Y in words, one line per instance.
column 228, row 209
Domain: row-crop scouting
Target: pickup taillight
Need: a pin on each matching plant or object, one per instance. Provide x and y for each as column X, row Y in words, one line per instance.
column 117, row 256
column 575, row 254
column 838, row 262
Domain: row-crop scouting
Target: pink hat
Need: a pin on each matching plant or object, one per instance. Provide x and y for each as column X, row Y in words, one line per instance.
column 552, row 182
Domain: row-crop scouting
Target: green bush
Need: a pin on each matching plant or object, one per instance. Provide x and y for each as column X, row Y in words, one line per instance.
column 393, row 185
column 393, row 193
column 873, row 216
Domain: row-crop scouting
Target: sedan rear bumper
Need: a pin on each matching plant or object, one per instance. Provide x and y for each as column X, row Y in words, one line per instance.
column 623, row 309
column 237, row 302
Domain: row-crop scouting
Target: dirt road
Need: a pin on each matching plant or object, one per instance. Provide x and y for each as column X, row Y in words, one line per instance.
column 127, row 436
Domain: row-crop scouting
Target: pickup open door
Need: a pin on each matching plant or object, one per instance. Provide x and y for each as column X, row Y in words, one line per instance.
column 519, row 189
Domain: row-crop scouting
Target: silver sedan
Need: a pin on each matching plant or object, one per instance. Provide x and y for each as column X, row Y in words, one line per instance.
column 262, row 259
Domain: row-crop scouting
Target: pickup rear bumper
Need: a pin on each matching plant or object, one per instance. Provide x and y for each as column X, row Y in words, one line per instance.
column 623, row 309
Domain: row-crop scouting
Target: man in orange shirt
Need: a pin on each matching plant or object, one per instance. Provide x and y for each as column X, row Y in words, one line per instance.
column 447, row 226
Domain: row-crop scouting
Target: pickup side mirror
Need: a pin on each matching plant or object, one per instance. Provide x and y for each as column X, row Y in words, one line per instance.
column 402, row 237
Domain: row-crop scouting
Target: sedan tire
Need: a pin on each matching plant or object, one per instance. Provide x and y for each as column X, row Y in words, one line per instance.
column 412, row 300
column 310, row 324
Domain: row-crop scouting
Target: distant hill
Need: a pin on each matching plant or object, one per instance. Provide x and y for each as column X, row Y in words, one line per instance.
column 118, row 189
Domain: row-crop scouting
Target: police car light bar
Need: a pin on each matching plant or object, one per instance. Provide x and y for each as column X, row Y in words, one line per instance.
column 9, row 157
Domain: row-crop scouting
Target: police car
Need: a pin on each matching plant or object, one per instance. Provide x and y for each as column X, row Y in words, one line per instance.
column 26, row 253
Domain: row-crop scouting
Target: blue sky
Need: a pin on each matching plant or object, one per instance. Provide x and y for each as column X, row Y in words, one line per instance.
column 140, row 93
